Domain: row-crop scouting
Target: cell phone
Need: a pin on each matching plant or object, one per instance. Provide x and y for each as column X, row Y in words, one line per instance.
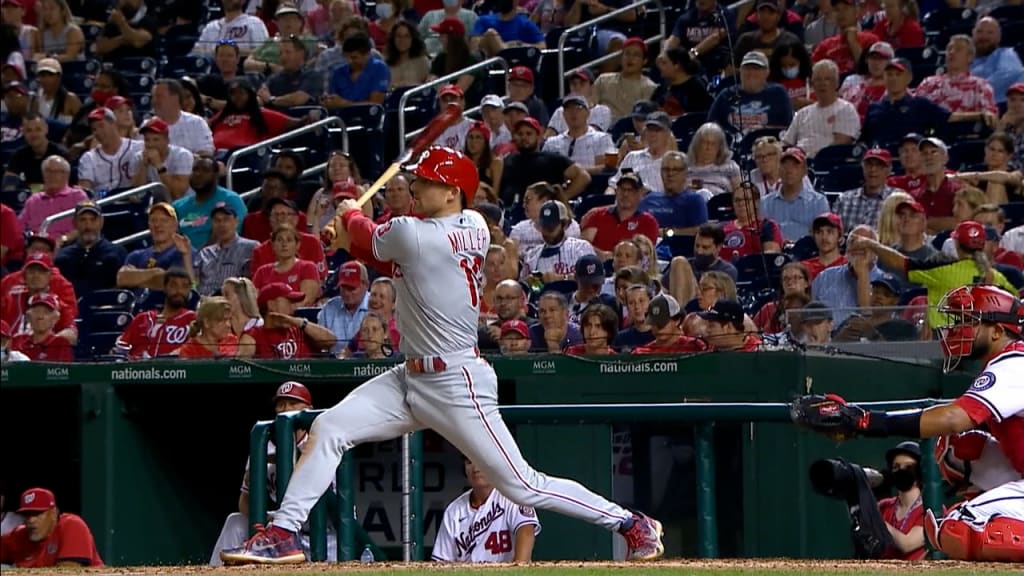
column 630, row 136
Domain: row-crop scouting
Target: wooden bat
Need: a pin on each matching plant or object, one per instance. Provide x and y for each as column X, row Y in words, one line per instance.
column 433, row 129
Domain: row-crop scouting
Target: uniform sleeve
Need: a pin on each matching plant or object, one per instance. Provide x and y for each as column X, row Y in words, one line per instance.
column 927, row 272
column 444, row 542
column 998, row 393
column 520, row 516
column 396, row 241
column 87, row 167
column 131, row 337
column 76, row 542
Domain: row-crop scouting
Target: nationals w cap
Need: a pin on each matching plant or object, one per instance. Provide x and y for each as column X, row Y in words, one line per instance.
column 36, row 500
column 295, row 391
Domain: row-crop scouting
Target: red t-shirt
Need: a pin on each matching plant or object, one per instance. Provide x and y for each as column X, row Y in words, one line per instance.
column 939, row 203
column 744, row 241
column 150, row 334
column 280, row 343
column 1009, row 258
column 237, row 131
column 301, row 270
column 14, row 283
column 310, row 248
column 70, row 541
column 912, row 185
column 611, row 230
column 909, row 34
column 796, row 87
column 52, row 349
column 15, row 305
column 256, row 225
column 11, row 235
column 915, row 517
column 684, row 345
column 814, row 265
column 835, row 48
column 193, row 349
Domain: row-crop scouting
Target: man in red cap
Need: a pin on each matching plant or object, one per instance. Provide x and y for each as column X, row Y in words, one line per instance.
column 437, row 262
column 454, row 136
column 38, row 274
column 530, row 164
column 48, row 537
column 42, row 343
column 107, row 166
column 283, row 335
column 515, row 338
column 160, row 161
column 343, row 314
column 505, row 27
column 521, row 88
column 862, row 205
column 827, row 230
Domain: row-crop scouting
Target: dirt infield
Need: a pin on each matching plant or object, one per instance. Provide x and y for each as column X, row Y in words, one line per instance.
column 666, row 567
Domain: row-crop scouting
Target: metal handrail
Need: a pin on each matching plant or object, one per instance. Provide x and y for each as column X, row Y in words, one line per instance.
column 589, row 24
column 335, row 120
column 437, row 82
column 143, row 234
column 102, row 201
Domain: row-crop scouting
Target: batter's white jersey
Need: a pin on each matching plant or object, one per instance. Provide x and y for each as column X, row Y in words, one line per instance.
column 109, row 172
column 438, row 275
column 484, row 534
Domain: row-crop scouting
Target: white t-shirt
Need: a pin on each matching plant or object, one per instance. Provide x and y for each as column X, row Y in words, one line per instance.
column 814, row 126
column 585, row 150
column 191, row 133
column 246, row 30
column 179, row 161
column 454, row 137
column 484, row 534
column 600, row 116
column 109, row 172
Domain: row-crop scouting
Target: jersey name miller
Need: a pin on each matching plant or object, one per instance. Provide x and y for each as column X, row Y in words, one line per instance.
column 469, row 240
column 467, row 540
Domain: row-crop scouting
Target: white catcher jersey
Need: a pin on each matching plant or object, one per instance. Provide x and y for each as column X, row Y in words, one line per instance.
column 484, row 534
column 997, row 398
column 438, row 275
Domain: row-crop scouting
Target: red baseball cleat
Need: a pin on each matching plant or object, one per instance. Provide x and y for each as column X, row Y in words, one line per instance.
column 271, row 545
column 643, row 538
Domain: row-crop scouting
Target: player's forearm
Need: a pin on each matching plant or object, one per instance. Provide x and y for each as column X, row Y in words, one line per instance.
column 360, row 230
column 524, row 544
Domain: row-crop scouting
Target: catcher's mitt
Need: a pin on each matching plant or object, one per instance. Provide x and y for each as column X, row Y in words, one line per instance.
column 829, row 415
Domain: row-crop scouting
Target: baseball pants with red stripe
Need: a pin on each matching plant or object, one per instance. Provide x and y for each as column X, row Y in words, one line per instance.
column 461, row 404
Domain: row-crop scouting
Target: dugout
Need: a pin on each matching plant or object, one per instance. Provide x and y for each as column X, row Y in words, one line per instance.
column 152, row 453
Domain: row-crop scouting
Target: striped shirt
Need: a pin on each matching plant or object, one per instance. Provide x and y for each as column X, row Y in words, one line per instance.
column 584, row 150
column 560, row 259
column 795, row 216
column 837, row 288
column 646, row 165
column 216, row 263
column 855, row 207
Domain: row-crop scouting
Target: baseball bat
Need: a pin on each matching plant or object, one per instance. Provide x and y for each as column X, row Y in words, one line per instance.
column 433, row 129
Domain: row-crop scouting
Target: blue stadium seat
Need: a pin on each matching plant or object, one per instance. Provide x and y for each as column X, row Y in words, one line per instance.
column 365, row 128
column 79, row 85
column 1014, row 214
column 190, row 65
column 137, row 66
column 760, row 271
column 587, row 203
column 528, row 56
column 720, row 208
column 965, row 153
column 106, row 321
column 308, row 312
column 678, row 245
column 685, row 126
column 803, row 249
column 566, row 287
column 106, row 300
column 95, row 345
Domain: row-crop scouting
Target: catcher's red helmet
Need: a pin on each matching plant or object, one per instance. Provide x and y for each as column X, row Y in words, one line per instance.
column 447, row 166
column 966, row 308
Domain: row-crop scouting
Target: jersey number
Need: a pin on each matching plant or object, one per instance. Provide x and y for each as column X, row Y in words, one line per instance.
column 499, row 542
column 472, row 267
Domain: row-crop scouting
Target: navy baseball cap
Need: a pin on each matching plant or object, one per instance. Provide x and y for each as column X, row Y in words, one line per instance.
column 644, row 108
column 552, row 213
column 724, row 311
column 889, row 281
column 816, row 311
column 589, row 269
column 225, row 208
column 662, row 310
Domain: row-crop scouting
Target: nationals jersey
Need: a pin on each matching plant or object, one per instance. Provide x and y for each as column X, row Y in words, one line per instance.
column 996, row 398
column 151, row 335
column 109, row 171
column 70, row 541
column 280, row 343
column 559, row 258
column 484, row 534
column 438, row 274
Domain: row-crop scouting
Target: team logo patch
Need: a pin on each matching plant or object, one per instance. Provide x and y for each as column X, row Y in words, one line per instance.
column 735, row 240
column 984, row 382
column 527, row 511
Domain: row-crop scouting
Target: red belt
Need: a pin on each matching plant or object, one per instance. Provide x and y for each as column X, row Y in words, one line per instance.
column 425, row 365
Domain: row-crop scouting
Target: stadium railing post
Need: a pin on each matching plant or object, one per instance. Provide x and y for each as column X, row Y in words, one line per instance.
column 707, row 516
column 258, row 439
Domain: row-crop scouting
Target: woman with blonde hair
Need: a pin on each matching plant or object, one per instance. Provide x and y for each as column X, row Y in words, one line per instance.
column 648, row 257
column 210, row 335
column 966, row 202
column 241, row 295
column 373, row 337
column 888, row 223
column 58, row 36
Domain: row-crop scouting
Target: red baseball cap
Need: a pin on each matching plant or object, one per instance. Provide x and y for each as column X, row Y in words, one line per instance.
column 345, row 189
column 450, row 26
column 635, row 41
column 969, row 234
column 481, row 127
column 155, row 125
column 1017, row 87
column 827, row 219
column 451, row 89
column 295, row 391
column 38, row 259
column 532, row 122
column 276, row 290
column 879, row 154
column 5, row 329
column 517, row 326
column 520, row 74
column 36, row 500
column 350, row 275
column 796, row 154
column 115, row 102
column 913, row 204
column 48, row 300
column 102, row 113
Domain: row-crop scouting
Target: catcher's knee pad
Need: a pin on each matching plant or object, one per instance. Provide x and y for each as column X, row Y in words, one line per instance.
column 1001, row 539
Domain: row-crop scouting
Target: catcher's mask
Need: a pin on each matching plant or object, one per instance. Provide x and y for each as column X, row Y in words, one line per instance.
column 965, row 309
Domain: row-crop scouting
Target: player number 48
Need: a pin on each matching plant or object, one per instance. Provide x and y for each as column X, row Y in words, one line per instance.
column 499, row 542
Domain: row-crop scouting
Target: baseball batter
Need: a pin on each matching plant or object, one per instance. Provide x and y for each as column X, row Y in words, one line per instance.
column 985, row 323
column 437, row 265
column 483, row 525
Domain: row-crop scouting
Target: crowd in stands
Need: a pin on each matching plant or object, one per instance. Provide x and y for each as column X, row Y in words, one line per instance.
column 771, row 175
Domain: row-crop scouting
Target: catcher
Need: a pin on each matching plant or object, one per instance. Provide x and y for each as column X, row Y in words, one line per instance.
column 985, row 323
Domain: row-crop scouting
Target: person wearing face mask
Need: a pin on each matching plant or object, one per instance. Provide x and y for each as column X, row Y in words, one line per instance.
column 903, row 514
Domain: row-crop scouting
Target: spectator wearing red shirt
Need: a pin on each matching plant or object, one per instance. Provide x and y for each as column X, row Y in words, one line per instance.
column 210, row 335
column 827, row 229
column 283, row 336
column 301, row 275
column 867, row 86
column 37, row 277
column 939, row 189
column 599, row 324
column 12, row 240
column 726, row 330
column 900, row 27
column 41, row 343
column 994, row 219
column 244, row 122
column 666, row 318
column 48, row 537
column 912, row 180
column 845, row 47
column 967, row 96
column 904, row 513
column 750, row 233
column 284, row 213
column 276, row 187
column 796, row 282
column 159, row 333
column 605, row 227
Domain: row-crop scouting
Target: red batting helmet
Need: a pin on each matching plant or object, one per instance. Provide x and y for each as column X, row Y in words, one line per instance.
column 294, row 391
column 965, row 309
column 447, row 166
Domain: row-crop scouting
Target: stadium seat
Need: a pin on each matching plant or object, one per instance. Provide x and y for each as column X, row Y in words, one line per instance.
column 587, row 203
column 308, row 313
column 191, row 65
column 720, row 208
column 365, row 128
column 528, row 56
column 966, row 153
column 95, row 345
column 566, row 287
column 685, row 126
column 803, row 249
column 137, row 66
column 760, row 271
column 598, row 184
column 106, row 321
column 620, row 127
column 1014, row 214
column 106, row 300
column 678, row 245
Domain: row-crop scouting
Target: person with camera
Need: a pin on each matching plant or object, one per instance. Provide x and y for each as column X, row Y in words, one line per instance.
column 903, row 513
column 986, row 324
